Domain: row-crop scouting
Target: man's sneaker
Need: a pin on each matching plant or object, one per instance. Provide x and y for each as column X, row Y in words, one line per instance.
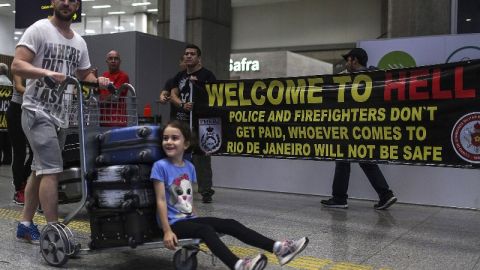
column 206, row 199
column 207, row 196
column 386, row 202
column 289, row 249
column 334, row 203
column 28, row 234
column 19, row 197
column 256, row 263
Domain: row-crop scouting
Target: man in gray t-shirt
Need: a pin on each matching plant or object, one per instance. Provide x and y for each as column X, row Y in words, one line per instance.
column 48, row 48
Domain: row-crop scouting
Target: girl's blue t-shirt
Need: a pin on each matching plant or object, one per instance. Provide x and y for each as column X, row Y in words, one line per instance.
column 178, row 187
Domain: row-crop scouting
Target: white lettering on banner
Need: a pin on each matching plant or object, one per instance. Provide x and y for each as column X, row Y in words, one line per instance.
column 244, row 65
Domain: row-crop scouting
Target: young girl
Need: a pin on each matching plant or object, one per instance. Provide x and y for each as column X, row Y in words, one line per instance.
column 173, row 177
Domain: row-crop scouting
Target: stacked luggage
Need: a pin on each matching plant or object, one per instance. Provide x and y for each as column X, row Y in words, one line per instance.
column 122, row 207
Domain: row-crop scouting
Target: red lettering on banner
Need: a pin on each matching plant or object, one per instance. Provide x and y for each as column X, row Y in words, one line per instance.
column 459, row 91
column 438, row 93
column 419, row 80
column 391, row 84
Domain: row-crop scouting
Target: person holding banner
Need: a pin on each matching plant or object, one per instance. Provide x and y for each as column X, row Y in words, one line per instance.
column 5, row 146
column 20, row 167
column 357, row 60
column 187, row 82
column 37, row 56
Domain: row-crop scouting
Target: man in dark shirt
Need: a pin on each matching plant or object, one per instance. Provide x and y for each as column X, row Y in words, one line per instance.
column 357, row 61
column 187, row 82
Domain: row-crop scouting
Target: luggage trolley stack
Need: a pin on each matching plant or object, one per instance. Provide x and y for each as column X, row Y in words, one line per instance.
column 111, row 178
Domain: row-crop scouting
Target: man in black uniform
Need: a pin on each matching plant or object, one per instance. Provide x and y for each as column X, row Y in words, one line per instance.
column 187, row 82
column 357, row 61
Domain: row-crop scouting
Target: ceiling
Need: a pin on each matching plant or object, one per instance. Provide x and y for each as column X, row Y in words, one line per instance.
column 126, row 5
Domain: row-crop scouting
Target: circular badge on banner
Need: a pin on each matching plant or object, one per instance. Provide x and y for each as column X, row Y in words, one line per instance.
column 466, row 137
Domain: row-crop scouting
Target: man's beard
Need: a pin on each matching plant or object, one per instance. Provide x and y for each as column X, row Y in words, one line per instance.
column 63, row 17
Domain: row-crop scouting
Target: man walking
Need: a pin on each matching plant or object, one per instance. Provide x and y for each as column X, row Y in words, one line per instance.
column 357, row 60
column 49, row 48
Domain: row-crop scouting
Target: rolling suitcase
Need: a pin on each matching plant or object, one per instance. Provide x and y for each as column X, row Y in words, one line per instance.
column 123, row 186
column 69, row 186
column 116, row 227
column 130, row 145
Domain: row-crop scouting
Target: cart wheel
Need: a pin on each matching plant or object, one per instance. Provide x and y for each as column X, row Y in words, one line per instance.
column 184, row 259
column 54, row 246
column 76, row 251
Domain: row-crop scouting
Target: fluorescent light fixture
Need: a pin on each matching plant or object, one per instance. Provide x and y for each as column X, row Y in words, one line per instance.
column 468, row 20
column 121, row 28
column 89, row 31
column 152, row 10
column 116, row 12
column 107, row 22
column 84, row 14
column 141, row 4
column 13, row 11
column 88, row 0
column 15, row 38
column 7, row 5
column 101, row 6
column 132, row 24
column 18, row 32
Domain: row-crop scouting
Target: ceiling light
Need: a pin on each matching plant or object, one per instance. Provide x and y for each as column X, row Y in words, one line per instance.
column 89, row 31
column 13, row 11
column 7, row 5
column 152, row 10
column 84, row 14
column 107, row 22
column 468, row 20
column 102, row 6
column 18, row 32
column 116, row 12
column 88, row 0
column 140, row 4
column 15, row 38
column 121, row 28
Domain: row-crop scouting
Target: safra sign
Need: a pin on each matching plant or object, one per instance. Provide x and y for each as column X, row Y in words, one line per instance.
column 244, row 65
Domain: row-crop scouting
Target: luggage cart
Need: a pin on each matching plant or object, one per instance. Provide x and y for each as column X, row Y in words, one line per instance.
column 86, row 110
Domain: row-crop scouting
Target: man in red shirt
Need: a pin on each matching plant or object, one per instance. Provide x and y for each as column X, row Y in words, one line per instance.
column 114, row 111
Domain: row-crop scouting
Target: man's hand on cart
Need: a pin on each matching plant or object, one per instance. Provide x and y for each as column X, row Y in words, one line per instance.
column 104, row 82
column 55, row 78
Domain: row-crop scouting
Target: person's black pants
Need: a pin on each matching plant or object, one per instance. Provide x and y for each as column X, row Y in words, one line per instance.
column 20, row 168
column 206, row 228
column 5, row 148
column 371, row 170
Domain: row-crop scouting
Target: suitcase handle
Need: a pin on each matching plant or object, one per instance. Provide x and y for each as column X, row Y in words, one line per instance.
column 144, row 132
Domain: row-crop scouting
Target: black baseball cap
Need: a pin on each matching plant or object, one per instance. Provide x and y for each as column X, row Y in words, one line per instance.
column 359, row 53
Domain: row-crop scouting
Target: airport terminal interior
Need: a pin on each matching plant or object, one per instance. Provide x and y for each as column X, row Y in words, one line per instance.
column 433, row 224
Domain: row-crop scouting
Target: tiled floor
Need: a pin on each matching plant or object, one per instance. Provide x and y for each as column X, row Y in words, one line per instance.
column 403, row 237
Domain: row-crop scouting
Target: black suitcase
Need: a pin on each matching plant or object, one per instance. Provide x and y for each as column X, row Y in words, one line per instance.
column 123, row 186
column 130, row 145
column 69, row 186
column 116, row 227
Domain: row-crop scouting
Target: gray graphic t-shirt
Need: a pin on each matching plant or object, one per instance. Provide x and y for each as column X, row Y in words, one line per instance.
column 53, row 52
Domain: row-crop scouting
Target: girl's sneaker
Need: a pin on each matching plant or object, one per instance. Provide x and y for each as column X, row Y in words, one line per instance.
column 256, row 263
column 289, row 249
